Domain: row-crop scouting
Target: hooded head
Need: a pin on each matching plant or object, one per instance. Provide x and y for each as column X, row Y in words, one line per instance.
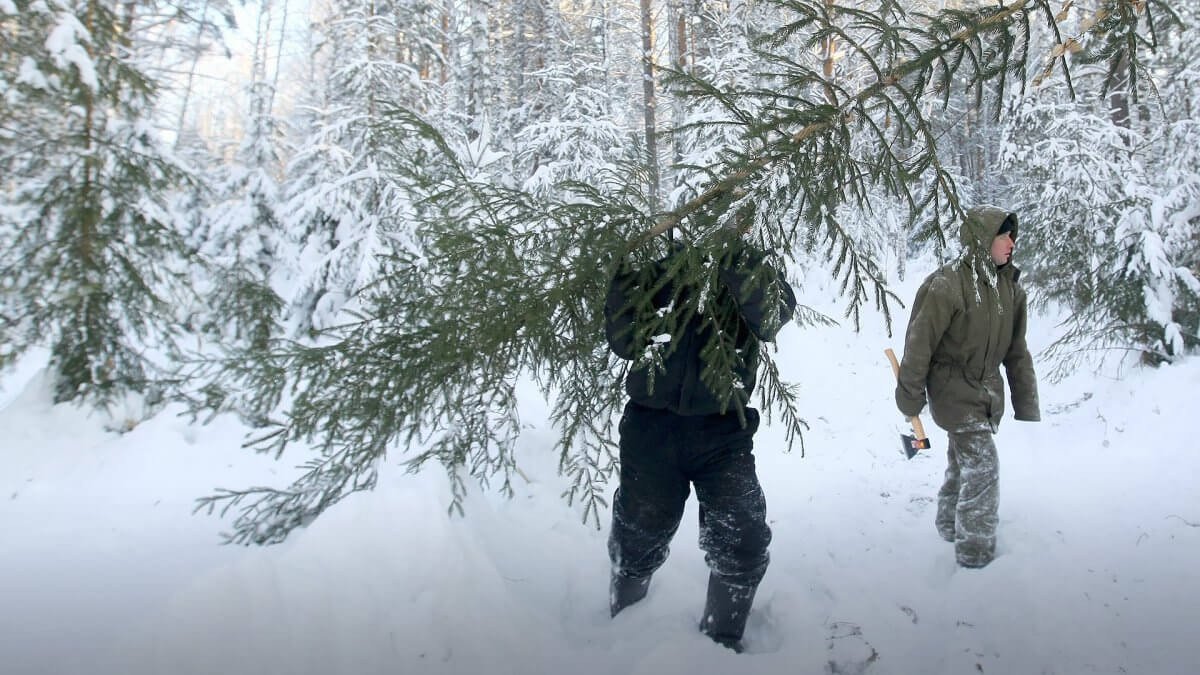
column 979, row 230
column 983, row 224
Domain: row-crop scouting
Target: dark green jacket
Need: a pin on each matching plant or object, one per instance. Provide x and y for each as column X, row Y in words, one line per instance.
column 967, row 319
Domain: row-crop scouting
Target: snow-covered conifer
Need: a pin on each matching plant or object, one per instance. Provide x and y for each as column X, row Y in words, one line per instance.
column 91, row 255
column 345, row 193
column 1111, row 188
column 243, row 240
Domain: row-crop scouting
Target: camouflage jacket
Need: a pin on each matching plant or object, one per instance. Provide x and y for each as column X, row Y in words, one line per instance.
column 968, row 318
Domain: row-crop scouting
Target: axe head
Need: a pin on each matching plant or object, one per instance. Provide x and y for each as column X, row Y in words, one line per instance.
column 911, row 444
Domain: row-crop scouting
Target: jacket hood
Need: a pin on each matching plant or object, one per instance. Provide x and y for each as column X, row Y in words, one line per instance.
column 981, row 225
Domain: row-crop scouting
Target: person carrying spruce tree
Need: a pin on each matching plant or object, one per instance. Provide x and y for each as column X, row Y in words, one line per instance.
column 968, row 318
column 695, row 351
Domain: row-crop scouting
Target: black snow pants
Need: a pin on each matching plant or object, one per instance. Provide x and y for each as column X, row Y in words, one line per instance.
column 662, row 454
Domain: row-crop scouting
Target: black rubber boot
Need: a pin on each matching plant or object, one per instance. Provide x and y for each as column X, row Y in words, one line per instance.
column 623, row 591
column 726, row 611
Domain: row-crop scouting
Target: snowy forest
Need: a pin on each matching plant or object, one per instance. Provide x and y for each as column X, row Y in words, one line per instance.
column 423, row 203
column 325, row 280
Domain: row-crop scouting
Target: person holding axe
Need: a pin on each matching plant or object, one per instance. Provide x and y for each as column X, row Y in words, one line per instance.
column 691, row 324
column 968, row 318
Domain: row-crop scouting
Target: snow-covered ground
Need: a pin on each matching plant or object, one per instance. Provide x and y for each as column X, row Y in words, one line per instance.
column 104, row 570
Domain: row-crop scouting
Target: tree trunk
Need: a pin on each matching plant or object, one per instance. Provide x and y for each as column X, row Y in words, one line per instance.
column 447, row 8
column 649, row 104
column 677, row 19
column 278, row 58
column 258, row 68
column 521, row 46
column 829, row 60
column 191, row 76
column 679, row 45
column 1117, row 85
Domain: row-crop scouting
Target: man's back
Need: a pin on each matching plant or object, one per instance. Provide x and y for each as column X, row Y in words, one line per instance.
column 679, row 348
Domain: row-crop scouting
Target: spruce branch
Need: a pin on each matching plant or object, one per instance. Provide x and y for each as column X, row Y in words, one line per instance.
column 953, row 40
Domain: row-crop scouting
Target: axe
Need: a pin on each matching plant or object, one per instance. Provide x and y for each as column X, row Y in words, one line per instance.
column 911, row 444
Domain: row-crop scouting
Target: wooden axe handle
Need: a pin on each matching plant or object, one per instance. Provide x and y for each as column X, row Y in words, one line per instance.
column 918, row 428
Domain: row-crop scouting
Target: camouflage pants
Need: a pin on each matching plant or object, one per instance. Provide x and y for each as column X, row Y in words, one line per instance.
column 968, row 503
